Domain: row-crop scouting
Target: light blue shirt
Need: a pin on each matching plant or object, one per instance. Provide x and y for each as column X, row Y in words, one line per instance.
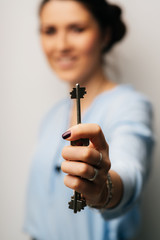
column 125, row 117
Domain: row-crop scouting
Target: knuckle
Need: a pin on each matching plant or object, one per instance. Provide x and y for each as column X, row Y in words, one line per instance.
column 84, row 170
column 65, row 180
column 62, row 166
column 86, row 154
column 106, row 163
column 109, row 165
column 76, row 183
column 63, row 153
column 78, row 129
column 107, row 147
column 97, row 129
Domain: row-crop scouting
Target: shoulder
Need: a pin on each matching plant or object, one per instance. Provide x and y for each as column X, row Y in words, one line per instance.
column 126, row 93
column 129, row 109
column 126, row 101
column 133, row 104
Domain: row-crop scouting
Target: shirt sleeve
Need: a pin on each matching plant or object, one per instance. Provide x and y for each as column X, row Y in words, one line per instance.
column 130, row 147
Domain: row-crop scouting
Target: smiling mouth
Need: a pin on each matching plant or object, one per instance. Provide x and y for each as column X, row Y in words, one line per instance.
column 66, row 62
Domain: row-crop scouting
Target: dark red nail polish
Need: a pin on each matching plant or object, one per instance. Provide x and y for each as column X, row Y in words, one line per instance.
column 66, row 134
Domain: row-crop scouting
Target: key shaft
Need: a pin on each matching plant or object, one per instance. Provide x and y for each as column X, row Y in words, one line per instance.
column 77, row 203
column 78, row 104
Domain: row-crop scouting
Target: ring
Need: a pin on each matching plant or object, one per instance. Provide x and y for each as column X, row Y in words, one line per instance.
column 95, row 175
column 100, row 159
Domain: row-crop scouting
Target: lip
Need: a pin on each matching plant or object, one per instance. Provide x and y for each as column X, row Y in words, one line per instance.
column 66, row 62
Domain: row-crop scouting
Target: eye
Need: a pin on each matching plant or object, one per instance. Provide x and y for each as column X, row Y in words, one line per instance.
column 77, row 29
column 48, row 31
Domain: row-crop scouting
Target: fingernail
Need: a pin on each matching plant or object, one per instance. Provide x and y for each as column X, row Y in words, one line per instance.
column 66, row 134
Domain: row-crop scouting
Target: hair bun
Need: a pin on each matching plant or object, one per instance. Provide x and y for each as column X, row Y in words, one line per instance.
column 116, row 25
column 115, row 12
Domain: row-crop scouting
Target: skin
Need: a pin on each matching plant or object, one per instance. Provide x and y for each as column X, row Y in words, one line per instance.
column 68, row 31
column 73, row 43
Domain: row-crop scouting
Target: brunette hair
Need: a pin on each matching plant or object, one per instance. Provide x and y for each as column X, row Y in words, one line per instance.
column 107, row 15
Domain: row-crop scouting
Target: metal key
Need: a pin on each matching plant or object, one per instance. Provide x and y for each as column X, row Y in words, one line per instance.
column 77, row 202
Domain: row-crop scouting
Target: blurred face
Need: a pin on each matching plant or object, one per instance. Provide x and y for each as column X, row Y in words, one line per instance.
column 71, row 40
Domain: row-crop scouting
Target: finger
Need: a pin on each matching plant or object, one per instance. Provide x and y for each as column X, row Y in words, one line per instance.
column 84, row 154
column 80, row 185
column 88, row 130
column 89, row 190
column 78, row 169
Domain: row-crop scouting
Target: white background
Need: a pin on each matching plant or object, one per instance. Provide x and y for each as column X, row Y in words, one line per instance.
column 28, row 89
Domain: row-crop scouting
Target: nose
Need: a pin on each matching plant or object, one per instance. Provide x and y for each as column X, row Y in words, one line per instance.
column 62, row 42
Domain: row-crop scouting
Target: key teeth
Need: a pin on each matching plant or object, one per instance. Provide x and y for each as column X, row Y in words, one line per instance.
column 81, row 204
column 70, row 204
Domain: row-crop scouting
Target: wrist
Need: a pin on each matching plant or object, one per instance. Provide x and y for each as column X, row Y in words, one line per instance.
column 112, row 193
column 116, row 189
column 107, row 194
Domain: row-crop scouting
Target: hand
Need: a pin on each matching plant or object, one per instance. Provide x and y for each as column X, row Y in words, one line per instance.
column 81, row 162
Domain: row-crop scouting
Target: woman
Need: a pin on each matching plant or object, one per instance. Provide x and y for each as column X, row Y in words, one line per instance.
column 111, row 171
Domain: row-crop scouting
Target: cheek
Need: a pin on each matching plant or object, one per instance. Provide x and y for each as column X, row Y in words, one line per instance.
column 91, row 46
column 46, row 46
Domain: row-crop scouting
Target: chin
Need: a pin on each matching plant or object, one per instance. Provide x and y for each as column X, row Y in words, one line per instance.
column 71, row 79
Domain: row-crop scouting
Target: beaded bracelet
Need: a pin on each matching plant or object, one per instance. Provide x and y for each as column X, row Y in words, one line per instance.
column 110, row 187
column 110, row 191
